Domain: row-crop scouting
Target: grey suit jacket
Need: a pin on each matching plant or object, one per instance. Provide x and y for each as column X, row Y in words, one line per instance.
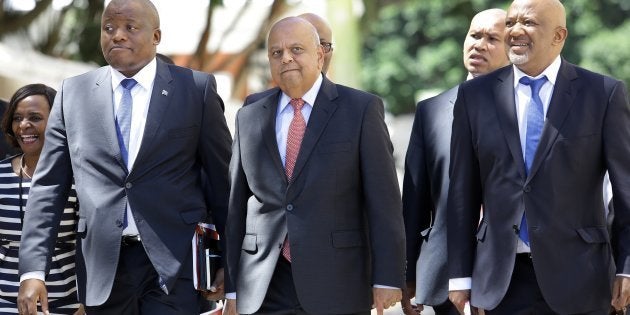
column 185, row 133
column 342, row 211
column 586, row 132
column 425, row 190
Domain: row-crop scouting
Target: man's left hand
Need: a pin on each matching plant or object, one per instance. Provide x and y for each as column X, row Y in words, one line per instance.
column 385, row 298
column 217, row 291
column 621, row 293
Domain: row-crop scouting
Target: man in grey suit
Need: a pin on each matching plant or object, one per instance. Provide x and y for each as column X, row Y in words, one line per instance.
column 315, row 221
column 531, row 143
column 425, row 184
column 137, row 172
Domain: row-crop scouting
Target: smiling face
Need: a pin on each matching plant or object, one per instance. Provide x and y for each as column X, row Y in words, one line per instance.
column 484, row 48
column 29, row 123
column 130, row 32
column 295, row 55
column 535, row 33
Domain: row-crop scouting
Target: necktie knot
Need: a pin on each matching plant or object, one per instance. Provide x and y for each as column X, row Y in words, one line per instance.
column 297, row 104
column 128, row 84
column 534, row 84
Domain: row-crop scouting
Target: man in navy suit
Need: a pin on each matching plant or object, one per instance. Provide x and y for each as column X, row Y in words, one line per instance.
column 140, row 197
column 531, row 143
column 425, row 185
column 315, row 220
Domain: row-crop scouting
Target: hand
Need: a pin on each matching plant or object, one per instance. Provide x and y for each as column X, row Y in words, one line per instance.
column 230, row 307
column 80, row 310
column 621, row 293
column 217, row 290
column 459, row 298
column 384, row 298
column 409, row 293
column 32, row 291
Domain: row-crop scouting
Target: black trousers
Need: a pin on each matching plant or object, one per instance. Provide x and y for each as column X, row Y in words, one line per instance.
column 136, row 289
column 281, row 298
column 523, row 296
column 446, row 308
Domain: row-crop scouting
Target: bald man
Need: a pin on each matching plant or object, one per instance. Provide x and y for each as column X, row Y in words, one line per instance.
column 134, row 136
column 426, row 182
column 325, row 36
column 325, row 40
column 531, row 143
column 315, row 221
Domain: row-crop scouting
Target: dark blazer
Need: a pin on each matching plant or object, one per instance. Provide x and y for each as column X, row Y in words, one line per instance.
column 425, row 189
column 342, row 210
column 185, row 132
column 587, row 131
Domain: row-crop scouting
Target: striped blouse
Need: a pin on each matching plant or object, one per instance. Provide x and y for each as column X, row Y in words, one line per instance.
column 61, row 280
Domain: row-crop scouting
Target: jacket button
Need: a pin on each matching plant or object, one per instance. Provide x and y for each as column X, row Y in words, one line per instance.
column 128, row 185
column 527, row 189
column 289, row 207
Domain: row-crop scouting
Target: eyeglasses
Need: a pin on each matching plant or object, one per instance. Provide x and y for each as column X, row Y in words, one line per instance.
column 328, row 47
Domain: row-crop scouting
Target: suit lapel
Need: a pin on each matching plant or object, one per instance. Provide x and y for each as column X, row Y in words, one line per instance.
column 103, row 108
column 561, row 101
column 506, row 112
column 323, row 110
column 161, row 97
column 268, row 129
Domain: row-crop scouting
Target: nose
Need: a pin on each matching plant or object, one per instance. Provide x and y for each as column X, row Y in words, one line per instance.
column 515, row 30
column 25, row 123
column 119, row 34
column 480, row 44
column 287, row 56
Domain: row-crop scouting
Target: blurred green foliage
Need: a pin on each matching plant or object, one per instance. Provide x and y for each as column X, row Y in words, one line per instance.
column 412, row 46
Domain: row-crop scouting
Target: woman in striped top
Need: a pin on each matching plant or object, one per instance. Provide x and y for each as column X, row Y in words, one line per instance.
column 23, row 124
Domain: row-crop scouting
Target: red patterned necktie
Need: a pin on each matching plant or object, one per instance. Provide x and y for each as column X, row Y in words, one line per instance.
column 294, row 141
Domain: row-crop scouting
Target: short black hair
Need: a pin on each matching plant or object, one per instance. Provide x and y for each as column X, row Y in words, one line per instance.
column 22, row 93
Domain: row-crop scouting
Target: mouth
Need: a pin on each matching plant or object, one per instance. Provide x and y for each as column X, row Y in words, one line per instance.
column 116, row 48
column 518, row 46
column 477, row 58
column 287, row 70
column 29, row 139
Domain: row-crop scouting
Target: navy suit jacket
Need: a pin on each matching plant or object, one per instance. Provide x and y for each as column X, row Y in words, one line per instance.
column 185, row 133
column 586, row 132
column 425, row 189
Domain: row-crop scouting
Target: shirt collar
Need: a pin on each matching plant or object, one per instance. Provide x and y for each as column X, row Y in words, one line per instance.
column 551, row 72
column 144, row 77
column 309, row 97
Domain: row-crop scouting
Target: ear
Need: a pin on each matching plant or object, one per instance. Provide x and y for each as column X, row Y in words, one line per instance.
column 320, row 57
column 157, row 36
column 560, row 35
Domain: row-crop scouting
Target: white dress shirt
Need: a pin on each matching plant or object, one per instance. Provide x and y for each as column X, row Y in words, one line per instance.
column 141, row 96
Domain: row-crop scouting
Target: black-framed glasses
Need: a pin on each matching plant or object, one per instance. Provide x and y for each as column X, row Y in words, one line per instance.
column 328, row 47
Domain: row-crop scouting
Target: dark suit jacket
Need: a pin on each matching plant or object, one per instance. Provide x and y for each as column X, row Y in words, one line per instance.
column 342, row 206
column 425, row 189
column 587, row 131
column 185, row 132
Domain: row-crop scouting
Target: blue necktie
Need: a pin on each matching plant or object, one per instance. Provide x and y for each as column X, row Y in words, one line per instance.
column 535, row 123
column 123, row 125
column 123, row 117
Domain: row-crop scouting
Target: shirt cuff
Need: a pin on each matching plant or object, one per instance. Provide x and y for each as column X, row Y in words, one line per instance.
column 457, row 284
column 39, row 275
column 623, row 275
column 384, row 286
column 230, row 295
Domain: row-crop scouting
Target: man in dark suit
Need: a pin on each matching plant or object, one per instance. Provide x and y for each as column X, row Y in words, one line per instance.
column 315, row 221
column 425, row 185
column 531, row 143
column 135, row 136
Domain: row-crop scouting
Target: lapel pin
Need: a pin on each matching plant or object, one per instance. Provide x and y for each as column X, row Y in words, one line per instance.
column 164, row 92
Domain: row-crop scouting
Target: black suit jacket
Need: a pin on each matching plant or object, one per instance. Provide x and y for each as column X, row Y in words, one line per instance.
column 342, row 211
column 425, row 189
column 185, row 133
column 586, row 132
